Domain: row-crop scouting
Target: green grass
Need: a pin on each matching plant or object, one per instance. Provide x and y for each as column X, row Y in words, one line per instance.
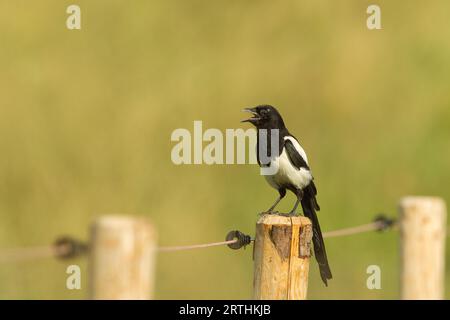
column 86, row 118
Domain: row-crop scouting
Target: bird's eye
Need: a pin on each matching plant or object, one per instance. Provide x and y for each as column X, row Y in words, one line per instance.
column 267, row 110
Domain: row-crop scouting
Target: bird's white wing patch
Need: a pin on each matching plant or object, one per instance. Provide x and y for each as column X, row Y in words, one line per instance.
column 298, row 147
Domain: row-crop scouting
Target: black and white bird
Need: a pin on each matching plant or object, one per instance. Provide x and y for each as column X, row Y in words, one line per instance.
column 292, row 172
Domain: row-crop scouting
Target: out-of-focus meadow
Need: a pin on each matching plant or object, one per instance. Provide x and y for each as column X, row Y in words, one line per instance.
column 86, row 118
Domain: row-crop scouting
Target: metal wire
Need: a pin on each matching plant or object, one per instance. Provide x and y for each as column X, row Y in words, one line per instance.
column 68, row 247
column 197, row 246
column 30, row 253
column 380, row 223
column 64, row 247
column 373, row 226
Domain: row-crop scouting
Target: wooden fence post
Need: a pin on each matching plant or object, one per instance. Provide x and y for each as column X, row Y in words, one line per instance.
column 423, row 234
column 122, row 258
column 281, row 255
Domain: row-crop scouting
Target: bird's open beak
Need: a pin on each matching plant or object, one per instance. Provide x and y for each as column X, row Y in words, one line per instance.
column 255, row 115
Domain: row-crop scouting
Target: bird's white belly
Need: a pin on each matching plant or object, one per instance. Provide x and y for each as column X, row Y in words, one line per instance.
column 287, row 174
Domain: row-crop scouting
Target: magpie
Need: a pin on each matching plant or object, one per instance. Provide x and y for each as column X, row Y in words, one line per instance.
column 292, row 172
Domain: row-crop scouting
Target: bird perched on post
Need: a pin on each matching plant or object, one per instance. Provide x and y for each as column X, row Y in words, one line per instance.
column 291, row 172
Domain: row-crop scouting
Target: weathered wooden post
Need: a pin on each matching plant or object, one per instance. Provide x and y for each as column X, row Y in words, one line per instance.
column 122, row 258
column 282, row 251
column 422, row 234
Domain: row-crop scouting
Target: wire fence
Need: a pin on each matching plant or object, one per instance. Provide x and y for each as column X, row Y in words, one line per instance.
column 68, row 247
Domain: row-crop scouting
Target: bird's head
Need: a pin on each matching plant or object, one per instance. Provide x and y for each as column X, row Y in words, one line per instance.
column 265, row 117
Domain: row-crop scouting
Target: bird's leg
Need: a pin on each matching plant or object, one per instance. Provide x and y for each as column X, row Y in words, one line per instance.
column 282, row 194
column 292, row 212
column 299, row 198
column 274, row 205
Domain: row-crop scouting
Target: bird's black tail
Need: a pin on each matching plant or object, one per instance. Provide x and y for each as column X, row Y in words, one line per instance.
column 310, row 205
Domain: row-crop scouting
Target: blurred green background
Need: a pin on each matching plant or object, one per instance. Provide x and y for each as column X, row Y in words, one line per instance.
column 86, row 118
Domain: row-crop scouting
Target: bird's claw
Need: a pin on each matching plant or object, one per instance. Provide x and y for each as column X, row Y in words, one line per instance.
column 268, row 212
column 290, row 214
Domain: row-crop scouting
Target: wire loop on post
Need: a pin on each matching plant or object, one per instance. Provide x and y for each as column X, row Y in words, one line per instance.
column 67, row 247
column 384, row 223
column 242, row 239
